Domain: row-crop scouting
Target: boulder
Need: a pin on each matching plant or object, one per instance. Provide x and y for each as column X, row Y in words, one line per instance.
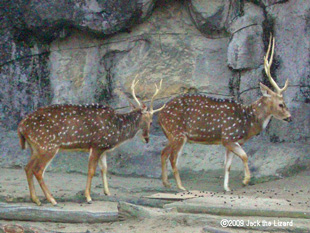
column 246, row 48
column 24, row 78
column 85, row 70
column 272, row 2
column 213, row 17
column 49, row 20
column 292, row 52
column 249, row 85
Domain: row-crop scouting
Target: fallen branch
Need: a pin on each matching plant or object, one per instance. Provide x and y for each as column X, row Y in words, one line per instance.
column 41, row 214
column 198, row 208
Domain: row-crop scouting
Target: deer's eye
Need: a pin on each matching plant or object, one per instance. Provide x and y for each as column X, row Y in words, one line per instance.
column 281, row 105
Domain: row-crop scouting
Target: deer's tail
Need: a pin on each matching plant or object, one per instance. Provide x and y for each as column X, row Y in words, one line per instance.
column 22, row 139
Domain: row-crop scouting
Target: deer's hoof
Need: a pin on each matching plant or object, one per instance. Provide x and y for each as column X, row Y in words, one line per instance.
column 54, row 202
column 107, row 193
column 37, row 201
column 246, row 181
column 167, row 184
column 89, row 200
column 182, row 188
column 227, row 189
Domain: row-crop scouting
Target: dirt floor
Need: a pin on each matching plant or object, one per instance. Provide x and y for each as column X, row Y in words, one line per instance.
column 68, row 191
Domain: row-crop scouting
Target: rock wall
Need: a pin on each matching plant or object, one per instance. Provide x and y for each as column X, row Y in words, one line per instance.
column 90, row 51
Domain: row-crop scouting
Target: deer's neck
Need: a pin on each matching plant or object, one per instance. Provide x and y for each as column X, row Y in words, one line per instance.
column 128, row 124
column 262, row 114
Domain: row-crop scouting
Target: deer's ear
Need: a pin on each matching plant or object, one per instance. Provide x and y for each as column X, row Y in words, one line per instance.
column 265, row 90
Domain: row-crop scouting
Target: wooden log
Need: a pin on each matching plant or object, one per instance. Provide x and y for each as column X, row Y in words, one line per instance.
column 17, row 228
column 42, row 214
column 196, row 208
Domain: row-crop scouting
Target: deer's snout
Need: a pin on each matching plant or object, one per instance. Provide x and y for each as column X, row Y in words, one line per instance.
column 289, row 119
column 146, row 140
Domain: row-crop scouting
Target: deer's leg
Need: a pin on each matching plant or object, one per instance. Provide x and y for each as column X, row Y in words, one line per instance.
column 94, row 156
column 177, row 147
column 29, row 173
column 237, row 149
column 166, row 152
column 104, row 167
column 228, row 161
column 41, row 163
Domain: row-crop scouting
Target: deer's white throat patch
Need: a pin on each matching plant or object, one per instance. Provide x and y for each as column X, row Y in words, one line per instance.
column 266, row 122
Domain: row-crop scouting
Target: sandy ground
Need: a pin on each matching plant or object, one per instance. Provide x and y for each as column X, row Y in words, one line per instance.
column 68, row 191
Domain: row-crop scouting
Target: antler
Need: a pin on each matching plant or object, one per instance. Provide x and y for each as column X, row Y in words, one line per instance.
column 133, row 85
column 267, row 66
column 152, row 100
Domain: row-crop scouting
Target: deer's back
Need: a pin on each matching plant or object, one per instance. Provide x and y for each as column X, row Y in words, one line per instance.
column 68, row 126
column 205, row 119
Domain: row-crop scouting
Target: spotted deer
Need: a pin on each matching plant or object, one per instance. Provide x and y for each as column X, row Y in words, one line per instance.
column 200, row 119
column 94, row 128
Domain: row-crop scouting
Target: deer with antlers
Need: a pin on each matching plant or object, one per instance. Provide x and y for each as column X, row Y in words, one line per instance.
column 201, row 119
column 94, row 128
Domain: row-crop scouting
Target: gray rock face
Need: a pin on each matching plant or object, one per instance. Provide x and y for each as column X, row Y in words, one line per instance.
column 291, row 23
column 27, row 68
column 246, row 57
column 214, row 17
column 90, row 51
column 273, row 2
column 246, row 48
column 249, row 84
column 84, row 70
column 24, row 78
column 50, row 19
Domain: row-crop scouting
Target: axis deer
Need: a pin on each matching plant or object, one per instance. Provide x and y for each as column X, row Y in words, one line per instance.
column 94, row 128
column 201, row 119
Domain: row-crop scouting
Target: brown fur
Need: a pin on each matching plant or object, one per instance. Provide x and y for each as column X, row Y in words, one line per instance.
column 201, row 119
column 92, row 128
